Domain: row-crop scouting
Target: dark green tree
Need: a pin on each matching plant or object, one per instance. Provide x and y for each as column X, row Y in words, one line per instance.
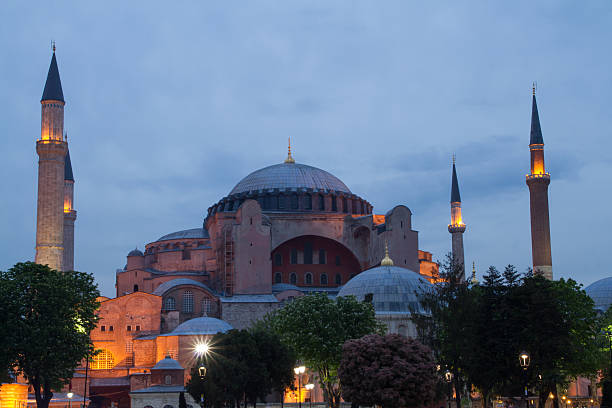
column 315, row 327
column 52, row 315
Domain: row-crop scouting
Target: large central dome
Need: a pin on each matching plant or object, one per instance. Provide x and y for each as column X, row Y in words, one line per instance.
column 289, row 176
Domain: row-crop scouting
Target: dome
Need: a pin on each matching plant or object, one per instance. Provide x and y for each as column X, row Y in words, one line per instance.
column 601, row 293
column 393, row 288
column 135, row 252
column 201, row 326
column 193, row 233
column 167, row 363
column 171, row 284
column 290, row 176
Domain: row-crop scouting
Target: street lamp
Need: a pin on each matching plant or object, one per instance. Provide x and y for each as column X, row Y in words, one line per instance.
column 70, row 395
column 448, row 376
column 524, row 360
column 309, row 387
column 299, row 371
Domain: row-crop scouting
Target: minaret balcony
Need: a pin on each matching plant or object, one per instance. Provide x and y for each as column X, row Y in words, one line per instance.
column 452, row 228
column 538, row 176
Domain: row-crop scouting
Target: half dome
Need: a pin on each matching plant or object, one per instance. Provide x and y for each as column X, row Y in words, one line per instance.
column 601, row 293
column 290, row 176
column 393, row 289
column 201, row 326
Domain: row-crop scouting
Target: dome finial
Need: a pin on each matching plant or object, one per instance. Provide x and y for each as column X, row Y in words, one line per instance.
column 53, row 46
column 386, row 261
column 474, row 281
column 289, row 159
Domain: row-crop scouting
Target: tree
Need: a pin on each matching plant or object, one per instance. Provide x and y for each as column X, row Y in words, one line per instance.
column 182, row 403
column 315, row 327
column 390, row 371
column 52, row 314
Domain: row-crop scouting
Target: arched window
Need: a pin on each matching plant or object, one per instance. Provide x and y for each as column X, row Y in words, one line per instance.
column 206, row 307
column 308, row 253
column 308, row 202
column 135, row 288
column 322, row 257
column 278, row 277
column 293, row 278
column 321, row 202
column 170, row 304
column 308, row 278
column 338, row 279
column 103, row 361
column 294, row 201
column 281, row 202
column 278, row 259
column 294, row 256
column 267, row 202
column 344, row 205
column 187, row 302
column 323, row 279
column 168, row 379
column 334, row 203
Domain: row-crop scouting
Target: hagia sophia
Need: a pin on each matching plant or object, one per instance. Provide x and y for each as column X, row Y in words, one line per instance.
column 285, row 230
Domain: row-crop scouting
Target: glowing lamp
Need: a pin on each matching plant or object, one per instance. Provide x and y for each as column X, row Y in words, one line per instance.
column 448, row 376
column 524, row 359
column 299, row 370
column 202, row 372
column 309, row 386
column 202, row 349
column 70, row 394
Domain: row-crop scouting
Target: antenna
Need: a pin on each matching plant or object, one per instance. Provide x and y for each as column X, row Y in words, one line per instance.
column 53, row 45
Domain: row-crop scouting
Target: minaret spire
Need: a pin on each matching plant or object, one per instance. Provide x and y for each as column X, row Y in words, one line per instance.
column 538, row 180
column 289, row 158
column 456, row 227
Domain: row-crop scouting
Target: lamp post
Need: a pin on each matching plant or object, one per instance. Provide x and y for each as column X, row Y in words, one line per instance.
column 70, row 395
column 448, row 376
column 201, row 350
column 299, row 371
column 309, row 387
column 524, row 360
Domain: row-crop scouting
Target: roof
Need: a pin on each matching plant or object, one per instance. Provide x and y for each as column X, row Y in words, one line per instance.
column 109, row 382
column 53, row 86
column 193, row 233
column 455, row 196
column 394, row 289
column 249, row 299
column 167, row 363
column 200, row 326
column 68, row 168
column 601, row 293
column 289, row 176
column 171, row 284
column 135, row 252
column 160, row 388
column 536, row 130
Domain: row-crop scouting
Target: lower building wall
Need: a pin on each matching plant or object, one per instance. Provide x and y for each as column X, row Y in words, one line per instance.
column 160, row 400
column 243, row 315
column 13, row 395
column 398, row 324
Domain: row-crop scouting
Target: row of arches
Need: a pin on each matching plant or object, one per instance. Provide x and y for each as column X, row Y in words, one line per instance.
column 309, row 279
column 187, row 304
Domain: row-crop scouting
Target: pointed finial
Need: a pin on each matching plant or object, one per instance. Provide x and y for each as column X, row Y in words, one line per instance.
column 66, row 136
column 289, row 159
column 534, row 85
column 53, row 46
column 474, row 281
column 386, row 261
column 454, row 158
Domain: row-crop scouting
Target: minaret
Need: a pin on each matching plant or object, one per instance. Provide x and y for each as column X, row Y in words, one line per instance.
column 538, row 181
column 456, row 227
column 69, row 214
column 51, row 149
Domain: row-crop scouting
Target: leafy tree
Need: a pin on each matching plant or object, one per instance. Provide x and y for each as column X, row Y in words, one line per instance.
column 389, row 371
column 315, row 327
column 52, row 314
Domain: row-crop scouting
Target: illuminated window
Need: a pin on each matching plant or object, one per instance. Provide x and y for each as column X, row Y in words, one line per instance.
column 103, row 360
column 187, row 302
column 206, row 307
column 278, row 277
column 170, row 304
column 308, row 278
column 322, row 256
column 323, row 279
column 293, row 278
column 338, row 279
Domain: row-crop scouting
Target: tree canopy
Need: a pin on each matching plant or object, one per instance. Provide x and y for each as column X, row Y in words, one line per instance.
column 391, row 371
column 50, row 315
column 316, row 327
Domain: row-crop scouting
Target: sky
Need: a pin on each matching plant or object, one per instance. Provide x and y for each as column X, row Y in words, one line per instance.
column 170, row 104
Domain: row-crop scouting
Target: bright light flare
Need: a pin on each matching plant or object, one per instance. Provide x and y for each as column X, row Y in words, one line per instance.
column 202, row 348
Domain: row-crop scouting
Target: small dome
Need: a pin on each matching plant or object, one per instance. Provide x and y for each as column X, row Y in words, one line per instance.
column 193, row 233
column 135, row 252
column 290, row 176
column 394, row 289
column 167, row 363
column 201, row 326
column 601, row 293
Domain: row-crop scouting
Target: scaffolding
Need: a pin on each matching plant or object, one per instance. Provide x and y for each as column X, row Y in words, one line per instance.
column 228, row 262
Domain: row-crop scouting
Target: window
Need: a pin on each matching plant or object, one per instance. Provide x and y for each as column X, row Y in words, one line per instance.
column 168, row 379
column 129, row 328
column 321, row 256
column 170, row 304
column 308, row 278
column 323, row 279
column 103, row 361
column 334, row 203
column 294, row 201
column 110, row 328
column 338, row 279
column 308, row 202
column 293, row 256
column 137, row 328
column 267, row 203
column 338, row 263
column 281, row 202
column 102, row 328
column 206, row 307
column 135, row 288
column 293, row 278
column 321, row 202
column 308, row 253
column 278, row 259
column 344, row 205
column 187, row 302
column 278, row 277
column 186, row 253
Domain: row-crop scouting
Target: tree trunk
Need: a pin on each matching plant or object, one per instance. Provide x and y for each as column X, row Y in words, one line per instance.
column 42, row 400
column 457, row 392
